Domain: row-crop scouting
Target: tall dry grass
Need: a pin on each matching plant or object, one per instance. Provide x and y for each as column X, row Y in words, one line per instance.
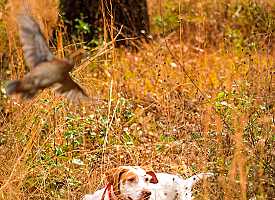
column 175, row 106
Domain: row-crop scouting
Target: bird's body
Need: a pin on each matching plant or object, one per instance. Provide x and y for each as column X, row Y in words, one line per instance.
column 44, row 75
column 46, row 70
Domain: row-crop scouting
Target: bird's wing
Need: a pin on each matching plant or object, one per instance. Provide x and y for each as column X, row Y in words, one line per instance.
column 71, row 90
column 34, row 44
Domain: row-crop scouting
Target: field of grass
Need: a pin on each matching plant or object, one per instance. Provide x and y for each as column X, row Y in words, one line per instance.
column 198, row 98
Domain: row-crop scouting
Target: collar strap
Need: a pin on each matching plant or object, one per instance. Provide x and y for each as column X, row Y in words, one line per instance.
column 107, row 188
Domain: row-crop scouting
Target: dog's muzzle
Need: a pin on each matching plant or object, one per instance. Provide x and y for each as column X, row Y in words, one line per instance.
column 145, row 195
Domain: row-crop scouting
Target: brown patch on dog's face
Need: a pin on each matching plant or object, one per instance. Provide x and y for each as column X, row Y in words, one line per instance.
column 130, row 177
column 114, row 176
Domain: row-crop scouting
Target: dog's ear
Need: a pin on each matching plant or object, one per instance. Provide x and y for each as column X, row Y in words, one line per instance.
column 113, row 177
column 110, row 175
column 154, row 178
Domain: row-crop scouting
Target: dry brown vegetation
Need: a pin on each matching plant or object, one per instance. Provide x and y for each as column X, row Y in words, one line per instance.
column 198, row 99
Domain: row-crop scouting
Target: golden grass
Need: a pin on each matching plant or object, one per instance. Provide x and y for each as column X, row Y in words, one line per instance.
column 171, row 106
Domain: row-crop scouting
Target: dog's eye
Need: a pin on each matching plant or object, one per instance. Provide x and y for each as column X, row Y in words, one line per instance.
column 131, row 179
column 146, row 179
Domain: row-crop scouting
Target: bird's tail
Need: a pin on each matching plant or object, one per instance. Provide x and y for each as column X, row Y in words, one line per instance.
column 13, row 87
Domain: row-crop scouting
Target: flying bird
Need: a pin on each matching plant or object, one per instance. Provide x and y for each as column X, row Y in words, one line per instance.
column 46, row 70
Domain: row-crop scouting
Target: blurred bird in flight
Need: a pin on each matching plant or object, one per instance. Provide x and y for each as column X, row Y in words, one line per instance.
column 46, row 70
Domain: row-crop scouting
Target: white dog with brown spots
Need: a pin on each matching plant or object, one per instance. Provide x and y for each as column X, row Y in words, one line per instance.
column 135, row 183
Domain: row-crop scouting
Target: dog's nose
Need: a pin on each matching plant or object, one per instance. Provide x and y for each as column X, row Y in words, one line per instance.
column 146, row 194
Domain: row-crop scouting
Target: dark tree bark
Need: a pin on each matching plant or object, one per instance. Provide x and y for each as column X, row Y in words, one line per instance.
column 132, row 14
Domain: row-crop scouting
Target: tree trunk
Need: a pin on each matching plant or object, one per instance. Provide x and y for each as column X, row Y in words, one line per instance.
column 133, row 16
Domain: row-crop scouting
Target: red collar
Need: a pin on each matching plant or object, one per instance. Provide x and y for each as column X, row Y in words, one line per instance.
column 107, row 188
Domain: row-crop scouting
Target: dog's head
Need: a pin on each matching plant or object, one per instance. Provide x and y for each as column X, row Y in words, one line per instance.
column 131, row 182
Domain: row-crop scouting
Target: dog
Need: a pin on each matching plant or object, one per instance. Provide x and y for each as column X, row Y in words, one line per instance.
column 46, row 70
column 125, row 183
column 135, row 183
column 174, row 187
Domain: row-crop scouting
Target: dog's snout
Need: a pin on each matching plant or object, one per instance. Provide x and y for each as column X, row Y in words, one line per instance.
column 146, row 194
